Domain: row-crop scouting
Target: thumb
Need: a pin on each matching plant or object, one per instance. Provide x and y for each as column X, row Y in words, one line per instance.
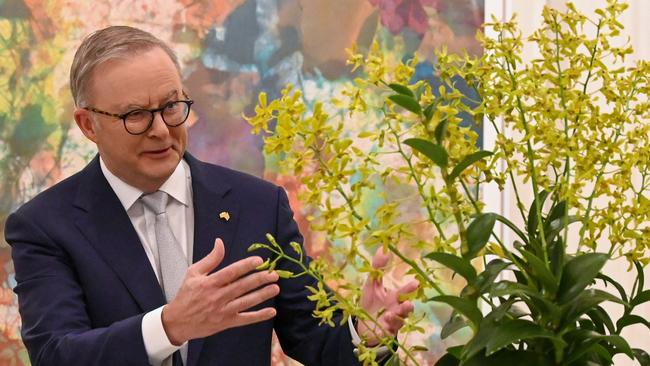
column 212, row 260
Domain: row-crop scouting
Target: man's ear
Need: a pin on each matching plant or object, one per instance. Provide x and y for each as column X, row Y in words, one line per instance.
column 86, row 123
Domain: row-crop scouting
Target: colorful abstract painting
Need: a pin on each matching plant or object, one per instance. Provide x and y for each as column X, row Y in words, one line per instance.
column 230, row 51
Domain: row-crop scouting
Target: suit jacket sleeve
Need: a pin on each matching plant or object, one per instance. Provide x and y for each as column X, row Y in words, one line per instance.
column 57, row 329
column 300, row 334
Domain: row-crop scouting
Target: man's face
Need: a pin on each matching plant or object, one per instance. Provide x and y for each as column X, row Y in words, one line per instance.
column 145, row 80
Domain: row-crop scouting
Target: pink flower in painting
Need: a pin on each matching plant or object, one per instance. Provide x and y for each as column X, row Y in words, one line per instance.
column 399, row 14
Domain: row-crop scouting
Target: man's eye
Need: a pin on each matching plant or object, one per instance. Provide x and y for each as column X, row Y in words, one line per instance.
column 172, row 106
column 137, row 115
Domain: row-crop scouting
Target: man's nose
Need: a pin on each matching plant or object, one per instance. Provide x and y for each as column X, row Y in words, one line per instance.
column 158, row 127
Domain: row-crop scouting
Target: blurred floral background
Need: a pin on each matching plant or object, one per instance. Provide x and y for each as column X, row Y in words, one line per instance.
column 230, row 51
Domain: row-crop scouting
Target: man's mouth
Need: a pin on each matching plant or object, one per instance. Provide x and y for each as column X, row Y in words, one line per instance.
column 158, row 151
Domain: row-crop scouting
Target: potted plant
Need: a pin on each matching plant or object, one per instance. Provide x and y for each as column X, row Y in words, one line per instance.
column 571, row 131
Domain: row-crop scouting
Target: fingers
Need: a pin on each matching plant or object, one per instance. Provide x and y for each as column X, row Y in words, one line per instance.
column 212, row 260
column 251, row 317
column 248, row 283
column 380, row 259
column 234, row 271
column 253, row 298
column 404, row 309
column 408, row 288
column 392, row 322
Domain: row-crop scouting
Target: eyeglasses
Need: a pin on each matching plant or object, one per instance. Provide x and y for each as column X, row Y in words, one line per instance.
column 138, row 121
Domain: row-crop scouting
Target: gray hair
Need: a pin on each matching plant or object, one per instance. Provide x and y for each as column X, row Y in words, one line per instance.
column 107, row 44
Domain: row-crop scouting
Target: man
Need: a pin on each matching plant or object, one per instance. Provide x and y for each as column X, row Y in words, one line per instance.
column 141, row 257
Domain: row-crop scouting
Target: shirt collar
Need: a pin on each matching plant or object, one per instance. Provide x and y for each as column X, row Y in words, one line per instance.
column 175, row 186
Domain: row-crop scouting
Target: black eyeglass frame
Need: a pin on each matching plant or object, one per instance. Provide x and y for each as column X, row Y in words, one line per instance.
column 153, row 112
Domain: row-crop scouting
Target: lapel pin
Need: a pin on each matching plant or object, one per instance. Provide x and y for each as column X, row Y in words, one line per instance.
column 224, row 215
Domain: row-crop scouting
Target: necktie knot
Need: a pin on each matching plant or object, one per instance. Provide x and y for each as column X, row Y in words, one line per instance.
column 156, row 202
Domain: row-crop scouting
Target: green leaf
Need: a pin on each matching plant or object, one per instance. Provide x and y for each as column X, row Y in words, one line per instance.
column 456, row 351
column 584, row 302
column 539, row 306
column 557, row 254
column 401, row 89
column 600, row 317
column 487, row 327
column 507, row 357
column 467, row 161
column 533, row 220
column 462, row 306
column 606, row 279
column 578, row 273
column 640, row 274
column 595, row 321
column 407, row 102
column 607, row 357
column 441, row 130
column 508, row 288
column 512, row 227
column 537, row 269
column 640, row 298
column 556, row 226
column 485, row 280
column 630, row 319
column 497, row 314
column 478, row 233
column 641, row 356
column 480, row 339
column 557, row 212
column 448, row 360
column 514, row 331
column 428, row 113
column 436, row 153
column 393, row 361
column 585, row 339
column 454, row 324
column 457, row 264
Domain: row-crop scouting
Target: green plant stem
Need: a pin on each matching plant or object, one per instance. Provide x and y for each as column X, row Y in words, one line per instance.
column 567, row 160
column 419, row 184
column 531, row 161
column 512, row 179
column 469, row 196
column 344, row 299
column 455, row 202
column 390, row 246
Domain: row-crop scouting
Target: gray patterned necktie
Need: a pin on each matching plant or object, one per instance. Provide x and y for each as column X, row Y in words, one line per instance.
column 172, row 261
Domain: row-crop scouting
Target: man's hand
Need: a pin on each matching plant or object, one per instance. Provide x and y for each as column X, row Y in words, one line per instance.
column 383, row 304
column 210, row 303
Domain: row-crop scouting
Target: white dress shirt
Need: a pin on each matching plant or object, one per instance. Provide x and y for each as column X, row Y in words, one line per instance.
column 180, row 211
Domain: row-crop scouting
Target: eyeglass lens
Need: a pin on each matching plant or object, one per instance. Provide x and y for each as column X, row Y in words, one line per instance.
column 173, row 114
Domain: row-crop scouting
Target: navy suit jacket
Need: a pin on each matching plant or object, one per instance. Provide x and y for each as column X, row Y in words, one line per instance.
column 84, row 281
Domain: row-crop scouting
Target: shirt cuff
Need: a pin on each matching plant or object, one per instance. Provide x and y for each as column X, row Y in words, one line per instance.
column 382, row 352
column 156, row 342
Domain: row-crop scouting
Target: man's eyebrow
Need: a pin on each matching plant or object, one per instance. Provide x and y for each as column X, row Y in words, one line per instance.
column 132, row 106
column 173, row 93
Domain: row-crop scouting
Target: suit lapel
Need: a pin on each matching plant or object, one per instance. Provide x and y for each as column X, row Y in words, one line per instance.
column 105, row 223
column 215, row 216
